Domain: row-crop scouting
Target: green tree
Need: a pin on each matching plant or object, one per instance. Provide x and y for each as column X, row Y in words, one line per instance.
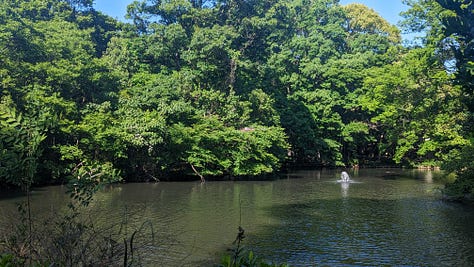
column 448, row 27
column 20, row 146
column 51, row 70
column 417, row 109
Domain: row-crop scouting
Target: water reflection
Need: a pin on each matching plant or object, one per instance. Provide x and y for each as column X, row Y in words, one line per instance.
column 345, row 181
column 429, row 177
column 304, row 220
column 345, row 189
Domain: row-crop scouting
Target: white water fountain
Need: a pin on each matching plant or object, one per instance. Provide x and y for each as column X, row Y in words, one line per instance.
column 344, row 181
column 345, row 178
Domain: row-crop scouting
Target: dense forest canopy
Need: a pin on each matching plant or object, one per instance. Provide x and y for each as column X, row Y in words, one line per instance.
column 229, row 88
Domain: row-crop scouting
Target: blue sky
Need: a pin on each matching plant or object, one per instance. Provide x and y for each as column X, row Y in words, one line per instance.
column 389, row 9
column 113, row 8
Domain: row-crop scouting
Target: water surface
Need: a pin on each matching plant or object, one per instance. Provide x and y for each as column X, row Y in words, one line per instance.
column 386, row 217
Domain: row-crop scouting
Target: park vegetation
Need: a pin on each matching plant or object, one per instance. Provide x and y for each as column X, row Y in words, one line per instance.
column 231, row 88
column 220, row 89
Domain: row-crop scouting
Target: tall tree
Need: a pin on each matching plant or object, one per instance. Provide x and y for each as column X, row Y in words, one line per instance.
column 448, row 25
column 417, row 109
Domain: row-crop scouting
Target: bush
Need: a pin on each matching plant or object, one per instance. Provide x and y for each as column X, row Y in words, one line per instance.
column 240, row 257
column 462, row 165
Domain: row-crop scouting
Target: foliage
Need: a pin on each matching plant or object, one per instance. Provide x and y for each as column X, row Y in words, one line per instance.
column 448, row 26
column 88, row 177
column 458, row 35
column 73, row 239
column 462, row 164
column 220, row 150
column 226, row 88
column 248, row 260
column 7, row 260
column 222, row 89
column 363, row 20
column 20, row 140
column 241, row 257
column 417, row 94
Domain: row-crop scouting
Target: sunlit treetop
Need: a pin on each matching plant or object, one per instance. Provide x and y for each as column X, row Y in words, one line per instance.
column 365, row 20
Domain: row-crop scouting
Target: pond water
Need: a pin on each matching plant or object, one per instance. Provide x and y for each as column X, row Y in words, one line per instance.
column 384, row 217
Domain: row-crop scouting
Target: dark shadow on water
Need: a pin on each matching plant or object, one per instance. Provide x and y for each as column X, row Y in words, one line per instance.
column 13, row 193
column 368, row 232
column 391, row 177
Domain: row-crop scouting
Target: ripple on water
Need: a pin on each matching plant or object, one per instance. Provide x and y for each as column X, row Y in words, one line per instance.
column 305, row 221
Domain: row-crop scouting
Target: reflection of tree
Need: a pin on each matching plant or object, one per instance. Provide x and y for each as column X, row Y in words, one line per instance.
column 301, row 220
